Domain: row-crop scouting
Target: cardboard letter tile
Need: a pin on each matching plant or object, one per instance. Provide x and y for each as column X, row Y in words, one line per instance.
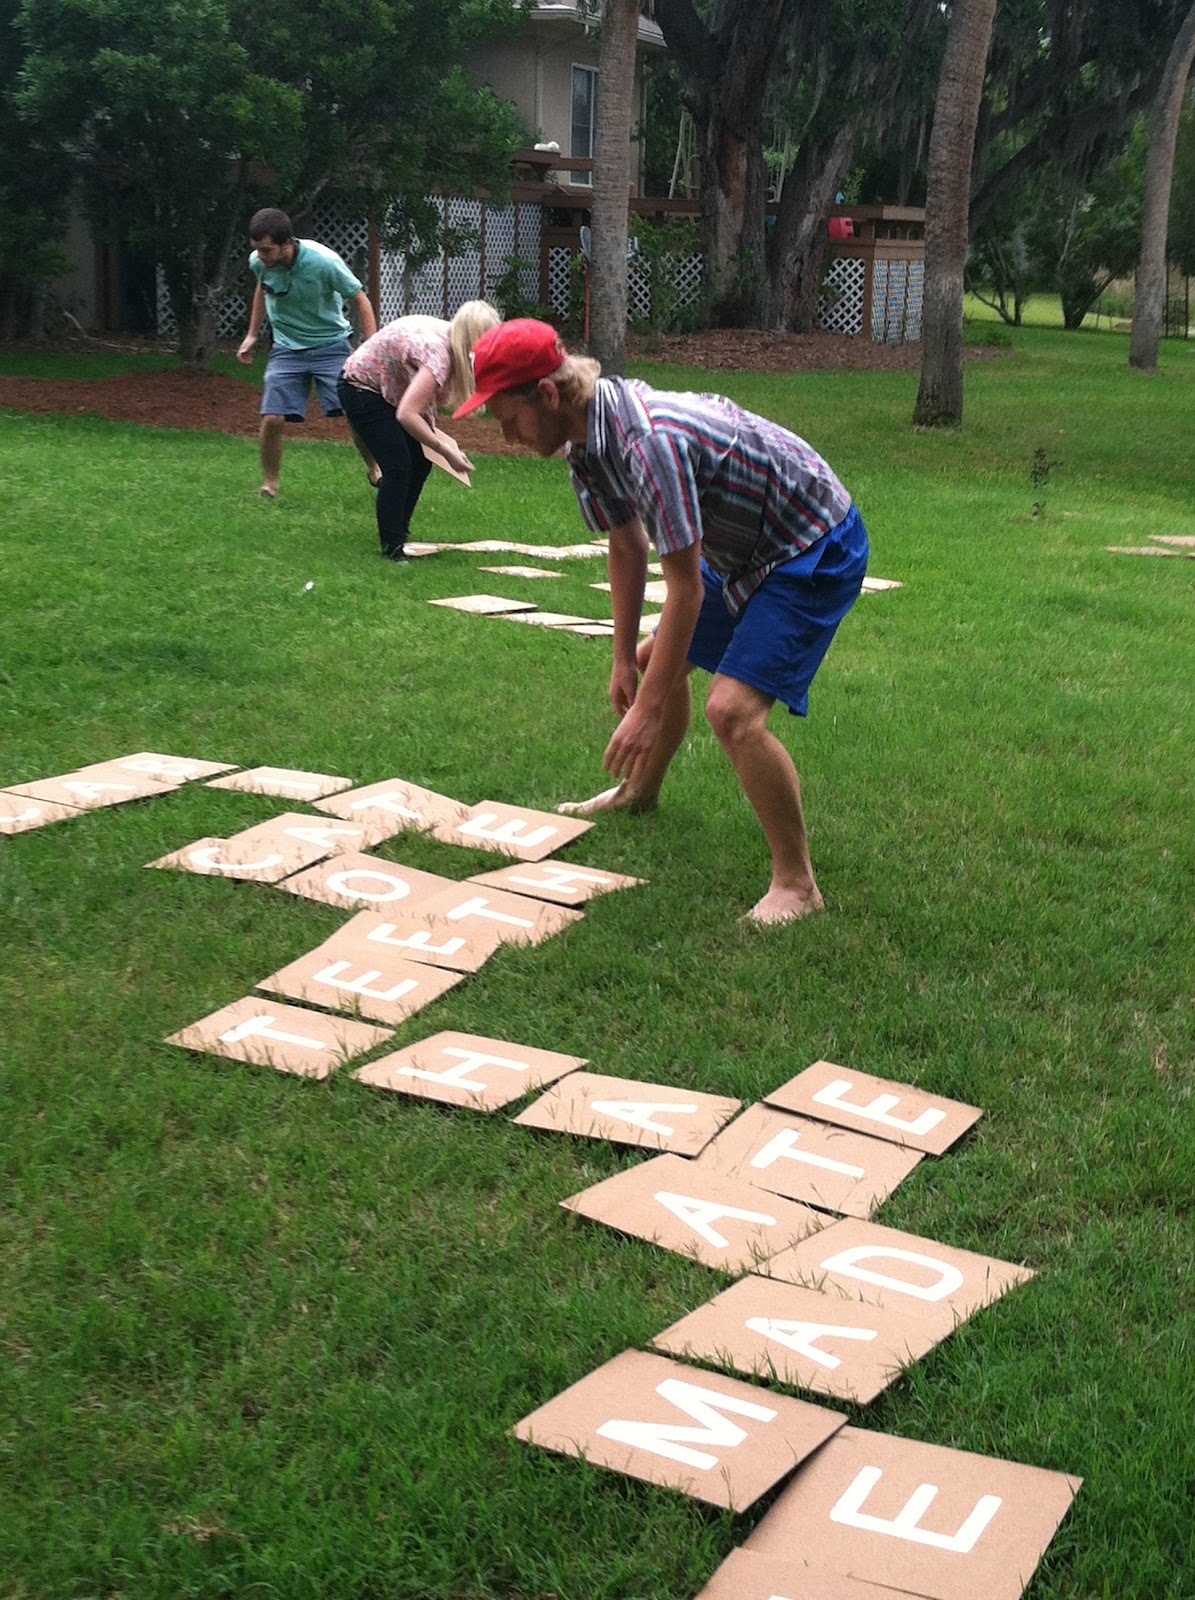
column 547, row 619
column 90, row 793
column 811, row 1161
column 360, row 882
column 283, row 782
column 20, row 813
column 720, row 1441
column 270, row 851
column 918, row 1517
column 590, row 630
column 492, row 915
column 287, row 1038
column 719, row 1221
column 894, row 1111
column 416, row 938
column 393, row 805
column 767, row 1329
column 166, row 769
column 883, row 1266
column 556, row 882
column 207, row 858
column 383, row 987
column 747, row 1575
column 523, row 572
column 306, row 839
column 462, row 1069
column 650, row 1116
column 483, row 605
column 513, row 830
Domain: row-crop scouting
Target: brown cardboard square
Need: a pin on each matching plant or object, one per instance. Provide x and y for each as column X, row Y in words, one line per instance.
column 563, row 552
column 877, row 585
column 268, row 852
column 650, row 1116
column 655, row 593
column 395, row 805
column 483, row 605
column 286, row 783
column 919, row 1517
column 1181, row 541
column 465, row 1069
column 437, row 459
column 287, row 1038
column 768, row 1329
column 481, row 914
column 360, row 882
column 557, row 882
column 816, row 1162
column 90, row 793
column 886, row 1110
column 383, row 987
column 488, row 546
column 748, row 1575
column 165, row 768
column 589, row 630
column 416, row 938
column 1140, row 550
column 513, row 830
column 20, row 813
column 547, row 619
column 882, row 1266
column 720, row 1441
column 523, row 572
column 420, row 547
column 647, row 622
column 719, row 1221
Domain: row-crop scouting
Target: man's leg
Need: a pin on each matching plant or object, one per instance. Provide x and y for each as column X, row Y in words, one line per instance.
column 269, row 441
column 644, row 793
column 738, row 715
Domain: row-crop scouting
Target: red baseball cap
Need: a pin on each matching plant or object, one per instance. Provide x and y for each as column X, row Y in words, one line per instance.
column 510, row 355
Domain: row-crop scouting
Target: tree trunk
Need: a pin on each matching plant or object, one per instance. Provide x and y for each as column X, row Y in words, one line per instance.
column 951, row 147
column 724, row 70
column 611, row 185
column 1149, row 298
column 797, row 245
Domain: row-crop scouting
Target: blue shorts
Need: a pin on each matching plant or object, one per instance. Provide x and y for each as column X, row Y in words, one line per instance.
column 780, row 638
column 290, row 374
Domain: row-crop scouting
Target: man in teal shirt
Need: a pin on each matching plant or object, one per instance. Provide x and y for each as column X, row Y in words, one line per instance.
column 306, row 288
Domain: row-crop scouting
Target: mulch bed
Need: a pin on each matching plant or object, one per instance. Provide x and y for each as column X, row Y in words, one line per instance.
column 218, row 404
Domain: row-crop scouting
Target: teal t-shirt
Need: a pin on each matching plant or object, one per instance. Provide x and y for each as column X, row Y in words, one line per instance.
column 305, row 302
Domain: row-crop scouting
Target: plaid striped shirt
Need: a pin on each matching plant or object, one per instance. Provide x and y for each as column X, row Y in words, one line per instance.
column 697, row 469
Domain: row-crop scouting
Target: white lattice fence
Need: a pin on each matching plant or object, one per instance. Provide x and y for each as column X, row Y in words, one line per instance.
column 680, row 274
column 841, row 309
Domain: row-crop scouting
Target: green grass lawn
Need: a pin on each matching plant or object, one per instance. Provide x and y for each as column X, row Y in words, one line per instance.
column 268, row 1338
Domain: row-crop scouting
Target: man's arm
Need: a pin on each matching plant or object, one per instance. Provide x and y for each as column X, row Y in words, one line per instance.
column 636, row 735
column 627, row 562
column 257, row 312
column 362, row 309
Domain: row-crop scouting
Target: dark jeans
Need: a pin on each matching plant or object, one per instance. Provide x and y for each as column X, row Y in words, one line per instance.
column 401, row 458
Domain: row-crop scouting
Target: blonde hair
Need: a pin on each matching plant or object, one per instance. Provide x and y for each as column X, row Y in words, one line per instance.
column 574, row 379
column 473, row 319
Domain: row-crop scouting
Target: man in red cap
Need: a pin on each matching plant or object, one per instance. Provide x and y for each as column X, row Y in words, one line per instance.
column 763, row 555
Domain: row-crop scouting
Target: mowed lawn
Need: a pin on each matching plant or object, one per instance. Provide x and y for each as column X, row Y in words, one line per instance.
column 263, row 1337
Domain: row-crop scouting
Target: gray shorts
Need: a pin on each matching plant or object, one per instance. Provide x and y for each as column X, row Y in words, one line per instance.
column 290, row 374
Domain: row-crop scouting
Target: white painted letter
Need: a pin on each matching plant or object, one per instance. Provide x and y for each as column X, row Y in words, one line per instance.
column 477, row 908
column 259, row 1028
column 385, row 802
column 207, row 858
column 700, row 1215
column 417, row 941
column 703, row 1405
column 512, row 832
column 640, row 1113
column 458, row 1075
column 339, row 883
column 949, row 1278
column 877, row 1110
column 361, row 985
column 905, row 1525
column 782, row 1146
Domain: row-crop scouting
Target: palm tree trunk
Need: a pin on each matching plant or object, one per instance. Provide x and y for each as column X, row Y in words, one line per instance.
column 611, row 185
column 1150, row 289
column 951, row 147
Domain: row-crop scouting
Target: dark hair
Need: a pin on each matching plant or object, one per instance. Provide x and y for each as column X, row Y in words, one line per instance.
column 272, row 224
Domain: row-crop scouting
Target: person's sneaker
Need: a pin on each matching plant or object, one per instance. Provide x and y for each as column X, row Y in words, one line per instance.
column 396, row 553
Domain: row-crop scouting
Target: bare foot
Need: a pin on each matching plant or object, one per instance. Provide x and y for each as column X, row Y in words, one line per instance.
column 785, row 905
column 617, row 799
column 268, row 491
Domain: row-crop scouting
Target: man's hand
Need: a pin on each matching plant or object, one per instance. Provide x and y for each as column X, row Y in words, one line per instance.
column 624, row 685
column 633, row 742
column 247, row 347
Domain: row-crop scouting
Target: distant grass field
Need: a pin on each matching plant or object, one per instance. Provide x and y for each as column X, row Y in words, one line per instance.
column 268, row 1338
